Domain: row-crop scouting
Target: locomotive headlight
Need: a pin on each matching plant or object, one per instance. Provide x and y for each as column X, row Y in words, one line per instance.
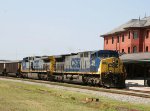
column 113, row 60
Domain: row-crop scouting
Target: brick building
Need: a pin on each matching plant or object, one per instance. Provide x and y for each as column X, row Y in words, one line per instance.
column 131, row 37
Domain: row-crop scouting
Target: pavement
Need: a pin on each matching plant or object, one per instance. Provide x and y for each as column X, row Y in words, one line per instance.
column 137, row 85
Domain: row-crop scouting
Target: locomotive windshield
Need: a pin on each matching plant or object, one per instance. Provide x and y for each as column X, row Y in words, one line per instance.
column 113, row 55
column 104, row 54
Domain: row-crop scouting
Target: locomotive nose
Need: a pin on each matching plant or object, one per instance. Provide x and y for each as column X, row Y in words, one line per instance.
column 114, row 63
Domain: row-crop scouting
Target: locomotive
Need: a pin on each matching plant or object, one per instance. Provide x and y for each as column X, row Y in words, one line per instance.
column 102, row 67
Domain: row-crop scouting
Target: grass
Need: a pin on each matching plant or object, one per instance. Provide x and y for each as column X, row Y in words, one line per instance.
column 26, row 97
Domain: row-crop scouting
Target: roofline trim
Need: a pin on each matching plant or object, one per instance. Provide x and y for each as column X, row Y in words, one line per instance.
column 112, row 33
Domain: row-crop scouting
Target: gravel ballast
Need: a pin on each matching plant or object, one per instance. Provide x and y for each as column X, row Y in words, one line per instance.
column 119, row 97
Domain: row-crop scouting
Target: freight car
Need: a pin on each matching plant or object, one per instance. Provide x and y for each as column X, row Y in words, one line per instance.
column 2, row 65
column 10, row 68
column 101, row 67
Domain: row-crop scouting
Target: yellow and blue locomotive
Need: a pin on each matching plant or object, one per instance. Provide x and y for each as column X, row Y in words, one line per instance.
column 101, row 67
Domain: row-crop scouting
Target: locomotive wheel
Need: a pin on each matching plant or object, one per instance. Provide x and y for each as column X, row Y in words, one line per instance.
column 50, row 78
column 39, row 77
column 84, row 80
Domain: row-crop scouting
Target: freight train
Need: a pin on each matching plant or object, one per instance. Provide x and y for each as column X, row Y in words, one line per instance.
column 102, row 67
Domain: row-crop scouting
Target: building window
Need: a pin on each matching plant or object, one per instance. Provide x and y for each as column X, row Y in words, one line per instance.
column 122, row 38
column 135, row 35
column 134, row 49
column 129, row 35
column 128, row 49
column 118, row 39
column 122, row 50
column 147, row 33
column 146, row 48
column 106, row 40
column 112, row 40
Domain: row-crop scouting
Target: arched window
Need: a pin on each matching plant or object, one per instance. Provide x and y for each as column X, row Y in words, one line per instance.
column 106, row 40
column 147, row 33
column 112, row 40
column 128, row 49
column 118, row 39
column 134, row 49
column 135, row 35
column 146, row 48
column 129, row 35
column 122, row 38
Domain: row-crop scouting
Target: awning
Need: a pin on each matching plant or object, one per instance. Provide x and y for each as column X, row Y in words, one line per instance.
column 136, row 57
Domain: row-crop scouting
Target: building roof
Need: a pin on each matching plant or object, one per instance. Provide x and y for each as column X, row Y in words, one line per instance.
column 133, row 23
column 147, row 21
column 136, row 57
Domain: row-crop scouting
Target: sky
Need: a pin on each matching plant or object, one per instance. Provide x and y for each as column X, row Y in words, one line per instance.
column 54, row 27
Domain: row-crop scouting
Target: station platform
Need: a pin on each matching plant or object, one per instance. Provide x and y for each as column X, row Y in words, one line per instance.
column 137, row 85
column 146, row 89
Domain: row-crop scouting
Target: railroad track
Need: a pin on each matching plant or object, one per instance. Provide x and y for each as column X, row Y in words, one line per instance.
column 139, row 93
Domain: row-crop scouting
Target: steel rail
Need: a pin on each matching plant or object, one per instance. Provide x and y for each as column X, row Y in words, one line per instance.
column 136, row 93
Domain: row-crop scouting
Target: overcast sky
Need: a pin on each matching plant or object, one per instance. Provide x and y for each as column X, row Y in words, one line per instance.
column 51, row 27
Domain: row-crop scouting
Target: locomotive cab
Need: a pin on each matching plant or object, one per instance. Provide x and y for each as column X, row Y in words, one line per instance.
column 112, row 72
